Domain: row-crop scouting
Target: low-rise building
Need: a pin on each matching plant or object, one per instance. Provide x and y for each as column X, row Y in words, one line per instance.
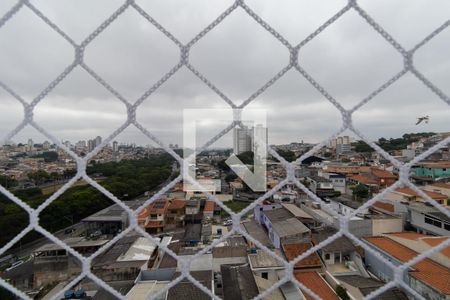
column 283, row 227
column 433, row 169
column 317, row 284
column 265, row 265
column 429, row 278
column 311, row 263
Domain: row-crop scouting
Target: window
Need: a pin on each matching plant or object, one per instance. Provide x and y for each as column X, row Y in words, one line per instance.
column 447, row 227
column 433, row 222
column 265, row 275
column 437, row 223
column 327, row 256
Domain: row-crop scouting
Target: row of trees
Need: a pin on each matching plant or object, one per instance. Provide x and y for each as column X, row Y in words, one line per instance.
column 392, row 143
column 131, row 178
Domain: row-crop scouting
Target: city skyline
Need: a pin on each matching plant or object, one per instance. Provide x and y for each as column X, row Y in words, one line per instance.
column 80, row 107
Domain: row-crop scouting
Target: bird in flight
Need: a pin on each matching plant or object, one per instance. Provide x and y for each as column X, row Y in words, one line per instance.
column 421, row 119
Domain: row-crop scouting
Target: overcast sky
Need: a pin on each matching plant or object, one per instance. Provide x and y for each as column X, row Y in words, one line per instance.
column 349, row 59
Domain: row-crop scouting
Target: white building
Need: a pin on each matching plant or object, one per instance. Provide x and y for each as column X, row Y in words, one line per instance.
column 242, row 140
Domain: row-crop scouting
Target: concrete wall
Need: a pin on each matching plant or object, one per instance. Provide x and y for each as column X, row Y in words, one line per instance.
column 425, row 290
column 386, row 225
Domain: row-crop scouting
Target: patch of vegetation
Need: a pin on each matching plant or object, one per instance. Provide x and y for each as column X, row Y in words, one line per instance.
column 129, row 177
column 392, row 143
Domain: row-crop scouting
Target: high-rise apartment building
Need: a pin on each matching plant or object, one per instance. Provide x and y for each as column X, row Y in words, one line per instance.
column 242, row 139
column 98, row 141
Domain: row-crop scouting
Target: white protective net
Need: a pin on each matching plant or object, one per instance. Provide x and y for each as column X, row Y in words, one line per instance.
column 408, row 66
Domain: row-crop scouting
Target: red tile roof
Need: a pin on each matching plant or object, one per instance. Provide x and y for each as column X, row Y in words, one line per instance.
column 363, row 179
column 143, row 214
column 441, row 185
column 177, row 204
column 291, row 251
column 315, row 282
column 411, row 192
column 382, row 173
column 209, row 206
column 434, row 241
column 408, row 235
column 428, row 271
column 430, row 240
column 384, row 206
column 154, row 224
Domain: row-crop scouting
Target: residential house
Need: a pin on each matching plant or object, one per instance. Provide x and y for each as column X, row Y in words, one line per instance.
column 320, row 186
column 407, row 194
column 238, row 282
column 433, row 169
column 429, row 278
column 340, row 255
column 422, row 242
column 175, row 214
column 337, row 180
column 283, row 227
column 265, row 265
column 155, row 215
column 427, row 219
column 441, row 188
column 317, row 284
column 311, row 263
column 359, row 287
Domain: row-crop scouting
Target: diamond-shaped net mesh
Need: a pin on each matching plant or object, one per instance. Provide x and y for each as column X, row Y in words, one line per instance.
column 294, row 64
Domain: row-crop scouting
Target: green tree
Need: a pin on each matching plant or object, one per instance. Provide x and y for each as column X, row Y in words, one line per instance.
column 360, row 191
column 361, row 146
column 288, row 155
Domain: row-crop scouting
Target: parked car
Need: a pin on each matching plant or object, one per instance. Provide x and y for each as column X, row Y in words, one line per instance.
column 228, row 223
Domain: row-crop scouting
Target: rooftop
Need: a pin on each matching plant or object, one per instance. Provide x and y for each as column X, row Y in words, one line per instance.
column 435, row 164
column 141, row 249
column 291, row 226
column 317, row 284
column 427, row 271
column 185, row 289
column 296, row 211
column 229, row 251
column 384, row 206
column 363, row 179
column 238, row 282
column 441, row 185
column 367, row 285
column 113, row 213
column 262, row 259
column 142, row 290
column 293, row 250
column 209, row 206
column 193, row 232
column 342, row 244
column 73, row 242
column 410, row 192
column 257, row 232
column 177, row 204
column 431, row 241
column 278, row 214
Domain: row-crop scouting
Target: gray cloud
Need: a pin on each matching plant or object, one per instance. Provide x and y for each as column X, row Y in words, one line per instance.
column 349, row 59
